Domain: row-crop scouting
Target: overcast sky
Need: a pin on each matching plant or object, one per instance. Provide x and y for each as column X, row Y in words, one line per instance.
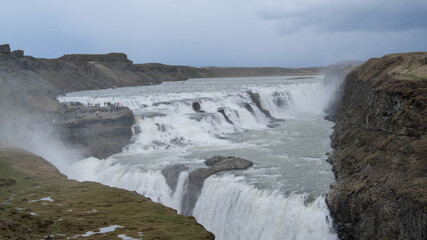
column 286, row 33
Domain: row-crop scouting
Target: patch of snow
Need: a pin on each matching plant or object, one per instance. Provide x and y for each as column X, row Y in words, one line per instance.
column 124, row 237
column 42, row 199
column 111, row 228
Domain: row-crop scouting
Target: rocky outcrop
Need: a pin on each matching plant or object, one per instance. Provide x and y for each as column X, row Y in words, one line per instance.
column 197, row 177
column 255, row 97
column 97, row 131
column 4, row 49
column 223, row 111
column 380, row 149
column 171, row 174
column 197, row 107
column 110, row 57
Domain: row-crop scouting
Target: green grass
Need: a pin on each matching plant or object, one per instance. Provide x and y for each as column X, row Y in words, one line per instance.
column 35, row 179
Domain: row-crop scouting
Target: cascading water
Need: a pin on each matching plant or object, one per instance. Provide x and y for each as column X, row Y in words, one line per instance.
column 276, row 122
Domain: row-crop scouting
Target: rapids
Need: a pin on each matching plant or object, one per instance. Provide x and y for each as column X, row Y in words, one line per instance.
column 276, row 122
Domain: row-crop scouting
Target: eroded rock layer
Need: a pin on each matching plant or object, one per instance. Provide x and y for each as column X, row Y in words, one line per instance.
column 380, row 158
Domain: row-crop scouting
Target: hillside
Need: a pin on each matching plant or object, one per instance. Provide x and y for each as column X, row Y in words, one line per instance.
column 29, row 87
column 380, row 158
column 39, row 202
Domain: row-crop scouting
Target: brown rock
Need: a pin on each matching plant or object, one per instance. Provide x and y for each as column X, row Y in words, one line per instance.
column 381, row 189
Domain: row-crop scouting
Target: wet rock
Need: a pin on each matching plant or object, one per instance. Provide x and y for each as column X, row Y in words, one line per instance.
column 219, row 163
column 279, row 99
column 162, row 103
column 197, row 177
column 158, row 143
column 171, row 174
column 137, row 129
column 272, row 125
column 196, row 107
column 330, row 117
column 151, row 115
column 178, row 141
column 161, row 127
column 227, row 118
column 256, row 99
column 249, row 108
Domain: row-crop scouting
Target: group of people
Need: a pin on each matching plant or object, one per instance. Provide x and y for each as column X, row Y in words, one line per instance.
column 77, row 108
column 109, row 104
column 94, row 104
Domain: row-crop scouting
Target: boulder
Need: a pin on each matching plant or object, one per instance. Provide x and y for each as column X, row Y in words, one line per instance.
column 197, row 107
column 222, row 111
column 171, row 174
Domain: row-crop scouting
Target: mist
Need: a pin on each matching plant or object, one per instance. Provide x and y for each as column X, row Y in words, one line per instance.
column 39, row 138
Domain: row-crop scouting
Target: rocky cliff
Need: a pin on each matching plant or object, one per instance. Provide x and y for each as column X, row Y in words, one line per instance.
column 96, row 131
column 380, row 157
column 28, row 91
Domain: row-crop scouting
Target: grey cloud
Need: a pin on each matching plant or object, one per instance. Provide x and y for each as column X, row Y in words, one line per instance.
column 217, row 32
column 337, row 16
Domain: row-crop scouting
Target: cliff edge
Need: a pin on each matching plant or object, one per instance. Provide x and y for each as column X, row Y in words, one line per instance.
column 380, row 151
column 38, row 202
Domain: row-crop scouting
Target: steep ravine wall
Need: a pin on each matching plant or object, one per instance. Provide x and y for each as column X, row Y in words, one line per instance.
column 380, row 151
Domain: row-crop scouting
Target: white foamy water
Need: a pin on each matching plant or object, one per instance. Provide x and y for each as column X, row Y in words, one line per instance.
column 281, row 197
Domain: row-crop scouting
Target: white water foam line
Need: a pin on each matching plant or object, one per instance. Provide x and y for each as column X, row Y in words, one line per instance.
column 234, row 210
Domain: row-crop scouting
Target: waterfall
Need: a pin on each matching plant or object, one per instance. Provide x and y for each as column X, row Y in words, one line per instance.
column 275, row 122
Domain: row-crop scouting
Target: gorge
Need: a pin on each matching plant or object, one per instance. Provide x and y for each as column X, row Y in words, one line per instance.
column 381, row 118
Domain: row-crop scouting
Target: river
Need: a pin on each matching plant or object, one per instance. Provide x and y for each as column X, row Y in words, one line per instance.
column 282, row 196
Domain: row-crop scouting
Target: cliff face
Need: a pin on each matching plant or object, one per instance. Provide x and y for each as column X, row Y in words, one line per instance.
column 380, row 157
column 97, row 131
